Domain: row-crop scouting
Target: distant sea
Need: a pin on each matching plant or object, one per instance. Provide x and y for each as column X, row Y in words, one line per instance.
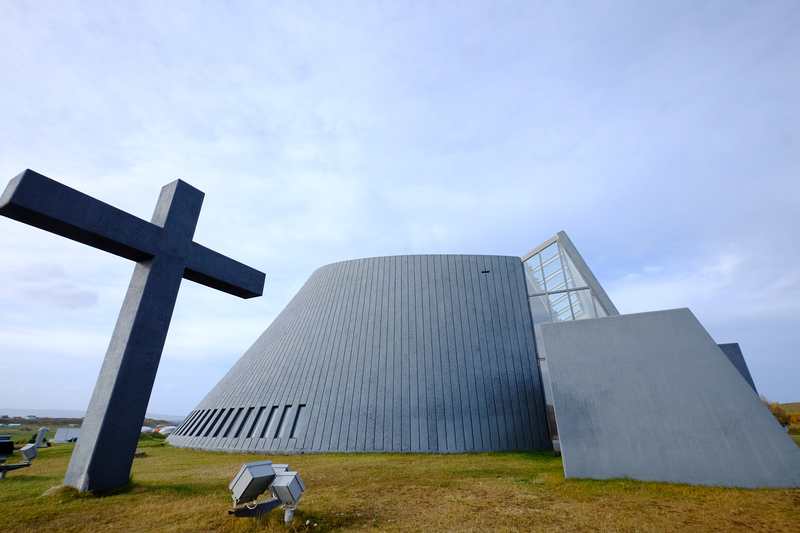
column 70, row 413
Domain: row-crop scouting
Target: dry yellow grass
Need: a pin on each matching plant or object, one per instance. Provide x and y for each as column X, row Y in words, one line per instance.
column 792, row 407
column 185, row 490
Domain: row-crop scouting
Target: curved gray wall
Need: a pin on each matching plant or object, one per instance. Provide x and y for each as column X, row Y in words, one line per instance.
column 429, row 353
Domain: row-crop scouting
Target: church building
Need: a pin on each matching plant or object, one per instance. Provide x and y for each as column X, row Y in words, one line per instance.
column 474, row 353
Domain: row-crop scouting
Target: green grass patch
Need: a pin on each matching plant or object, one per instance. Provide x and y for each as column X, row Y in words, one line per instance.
column 186, row 490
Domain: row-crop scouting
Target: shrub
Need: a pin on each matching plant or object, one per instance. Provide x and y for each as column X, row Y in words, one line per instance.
column 782, row 415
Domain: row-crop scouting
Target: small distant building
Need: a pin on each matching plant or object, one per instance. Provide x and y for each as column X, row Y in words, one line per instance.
column 166, row 430
column 147, row 429
column 30, row 417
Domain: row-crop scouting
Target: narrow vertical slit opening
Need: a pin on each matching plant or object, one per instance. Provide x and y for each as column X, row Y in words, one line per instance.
column 197, row 428
column 297, row 419
column 233, row 422
column 244, row 421
column 279, row 429
column 211, row 426
column 222, row 424
column 195, row 423
column 186, row 423
column 269, row 419
column 255, row 421
column 202, row 426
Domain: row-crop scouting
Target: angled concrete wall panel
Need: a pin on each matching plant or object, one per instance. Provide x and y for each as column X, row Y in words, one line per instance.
column 734, row 354
column 652, row 397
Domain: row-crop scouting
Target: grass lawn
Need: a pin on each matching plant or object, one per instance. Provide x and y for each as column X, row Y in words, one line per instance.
column 184, row 490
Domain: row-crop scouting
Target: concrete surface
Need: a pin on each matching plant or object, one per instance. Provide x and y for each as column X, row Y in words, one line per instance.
column 652, row 397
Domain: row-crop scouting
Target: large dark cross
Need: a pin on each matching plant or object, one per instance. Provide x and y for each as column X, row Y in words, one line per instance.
column 164, row 253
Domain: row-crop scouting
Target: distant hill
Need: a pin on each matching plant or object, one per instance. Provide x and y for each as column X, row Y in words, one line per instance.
column 71, row 413
column 792, row 407
column 60, row 422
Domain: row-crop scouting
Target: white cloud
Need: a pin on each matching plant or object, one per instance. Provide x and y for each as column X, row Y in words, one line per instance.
column 47, row 284
column 658, row 136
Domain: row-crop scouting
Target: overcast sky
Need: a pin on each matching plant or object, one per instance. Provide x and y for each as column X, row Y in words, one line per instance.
column 663, row 137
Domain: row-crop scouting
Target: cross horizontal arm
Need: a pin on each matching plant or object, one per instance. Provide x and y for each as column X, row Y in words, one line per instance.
column 46, row 204
column 217, row 271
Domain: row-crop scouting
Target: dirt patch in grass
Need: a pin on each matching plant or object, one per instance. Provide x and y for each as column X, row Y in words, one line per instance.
column 186, row 490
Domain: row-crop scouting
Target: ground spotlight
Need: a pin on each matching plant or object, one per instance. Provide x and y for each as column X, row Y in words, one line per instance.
column 285, row 488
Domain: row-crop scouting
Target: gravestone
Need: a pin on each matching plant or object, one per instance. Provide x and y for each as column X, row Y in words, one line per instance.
column 165, row 254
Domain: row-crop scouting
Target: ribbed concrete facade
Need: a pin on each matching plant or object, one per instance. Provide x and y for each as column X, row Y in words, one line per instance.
column 427, row 353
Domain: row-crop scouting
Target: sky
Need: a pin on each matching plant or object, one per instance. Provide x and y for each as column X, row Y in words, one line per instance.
column 663, row 137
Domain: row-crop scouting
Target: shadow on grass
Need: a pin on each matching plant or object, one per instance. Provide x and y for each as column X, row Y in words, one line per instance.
column 194, row 489
column 67, row 492
column 318, row 522
column 532, row 456
column 124, row 489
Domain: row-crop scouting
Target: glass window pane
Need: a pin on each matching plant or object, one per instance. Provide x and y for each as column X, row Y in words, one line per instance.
column 582, row 305
column 549, row 252
column 551, row 266
column 540, row 310
column 556, row 282
column 553, row 274
column 559, row 304
column 598, row 307
column 577, row 310
column 574, row 278
column 533, row 274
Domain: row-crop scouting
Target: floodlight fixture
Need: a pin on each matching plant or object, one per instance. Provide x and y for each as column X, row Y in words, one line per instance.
column 6, row 449
column 251, row 481
column 285, row 488
column 288, row 486
column 29, row 452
